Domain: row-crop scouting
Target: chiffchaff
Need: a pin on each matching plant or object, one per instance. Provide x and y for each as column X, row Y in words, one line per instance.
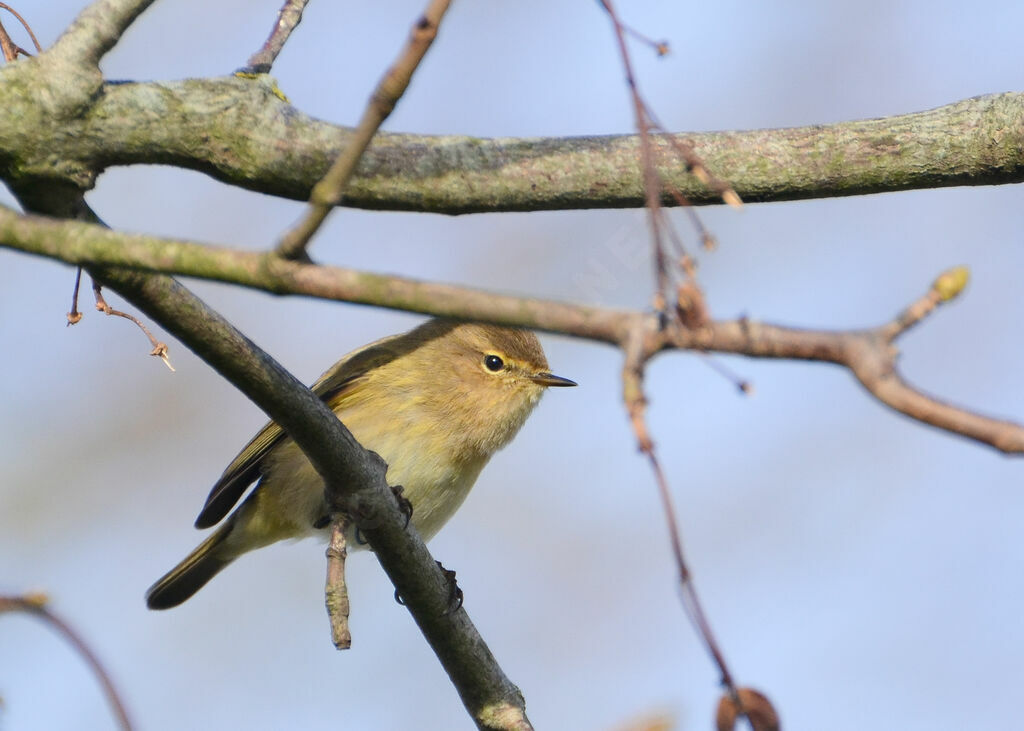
column 435, row 403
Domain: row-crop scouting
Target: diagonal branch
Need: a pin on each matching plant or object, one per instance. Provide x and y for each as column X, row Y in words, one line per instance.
column 327, row 193
column 288, row 18
column 97, row 29
column 354, row 478
column 10, row 48
column 635, row 362
column 868, row 354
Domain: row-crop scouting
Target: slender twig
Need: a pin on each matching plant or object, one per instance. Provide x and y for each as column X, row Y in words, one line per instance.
column 328, row 192
column 867, row 353
column 336, row 591
column 10, row 49
column 670, row 275
column 28, row 29
column 742, row 385
column 659, row 47
column 36, row 605
column 651, row 179
column 636, row 406
column 75, row 316
column 288, row 17
column 159, row 348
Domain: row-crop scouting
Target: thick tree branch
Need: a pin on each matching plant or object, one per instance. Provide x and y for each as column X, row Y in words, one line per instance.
column 869, row 354
column 238, row 131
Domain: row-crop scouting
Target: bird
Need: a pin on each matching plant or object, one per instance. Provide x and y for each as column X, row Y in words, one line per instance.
column 435, row 403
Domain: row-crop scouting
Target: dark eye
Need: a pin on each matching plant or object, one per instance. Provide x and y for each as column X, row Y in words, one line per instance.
column 494, row 363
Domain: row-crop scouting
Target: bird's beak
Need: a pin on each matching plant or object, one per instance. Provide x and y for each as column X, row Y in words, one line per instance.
column 550, row 379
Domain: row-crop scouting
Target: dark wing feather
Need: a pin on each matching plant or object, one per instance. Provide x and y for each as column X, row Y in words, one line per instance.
column 247, row 467
column 242, row 472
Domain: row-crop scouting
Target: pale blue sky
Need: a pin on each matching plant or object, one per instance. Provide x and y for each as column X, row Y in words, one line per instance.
column 863, row 570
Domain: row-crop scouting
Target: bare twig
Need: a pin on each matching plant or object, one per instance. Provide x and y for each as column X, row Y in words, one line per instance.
column 742, row 385
column 336, row 592
column 74, row 316
column 36, row 605
column 667, row 272
column 328, row 192
column 659, row 47
column 946, row 287
column 288, row 18
column 689, row 310
column 159, row 348
column 652, row 181
column 636, row 406
column 10, row 48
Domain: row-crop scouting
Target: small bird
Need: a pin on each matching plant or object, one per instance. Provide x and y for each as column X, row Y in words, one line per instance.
column 435, row 403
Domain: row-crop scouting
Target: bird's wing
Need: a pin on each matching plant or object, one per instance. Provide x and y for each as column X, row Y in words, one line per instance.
column 336, row 387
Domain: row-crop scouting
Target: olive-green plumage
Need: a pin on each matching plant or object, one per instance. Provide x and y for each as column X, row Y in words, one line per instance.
column 436, row 403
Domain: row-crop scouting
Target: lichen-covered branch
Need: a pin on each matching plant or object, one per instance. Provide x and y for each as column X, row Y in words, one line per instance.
column 238, row 131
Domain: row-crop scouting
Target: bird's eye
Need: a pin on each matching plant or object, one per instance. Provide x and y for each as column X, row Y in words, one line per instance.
column 493, row 363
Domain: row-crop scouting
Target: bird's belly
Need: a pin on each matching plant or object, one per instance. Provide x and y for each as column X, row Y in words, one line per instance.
column 435, row 482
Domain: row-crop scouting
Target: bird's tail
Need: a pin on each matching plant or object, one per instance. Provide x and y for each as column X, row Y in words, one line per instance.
column 191, row 575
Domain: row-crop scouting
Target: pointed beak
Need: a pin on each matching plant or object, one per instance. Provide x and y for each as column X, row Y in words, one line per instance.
column 550, row 379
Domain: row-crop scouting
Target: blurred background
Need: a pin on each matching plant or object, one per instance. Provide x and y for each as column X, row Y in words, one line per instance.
column 861, row 569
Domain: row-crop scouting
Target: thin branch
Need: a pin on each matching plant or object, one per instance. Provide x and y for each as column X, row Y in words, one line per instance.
column 327, row 193
column 36, row 605
column 10, row 48
column 651, row 179
column 867, row 353
column 288, row 17
column 336, row 591
column 159, row 348
column 75, row 316
column 97, row 29
column 26, row 26
column 690, row 310
column 636, row 406
column 667, row 272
